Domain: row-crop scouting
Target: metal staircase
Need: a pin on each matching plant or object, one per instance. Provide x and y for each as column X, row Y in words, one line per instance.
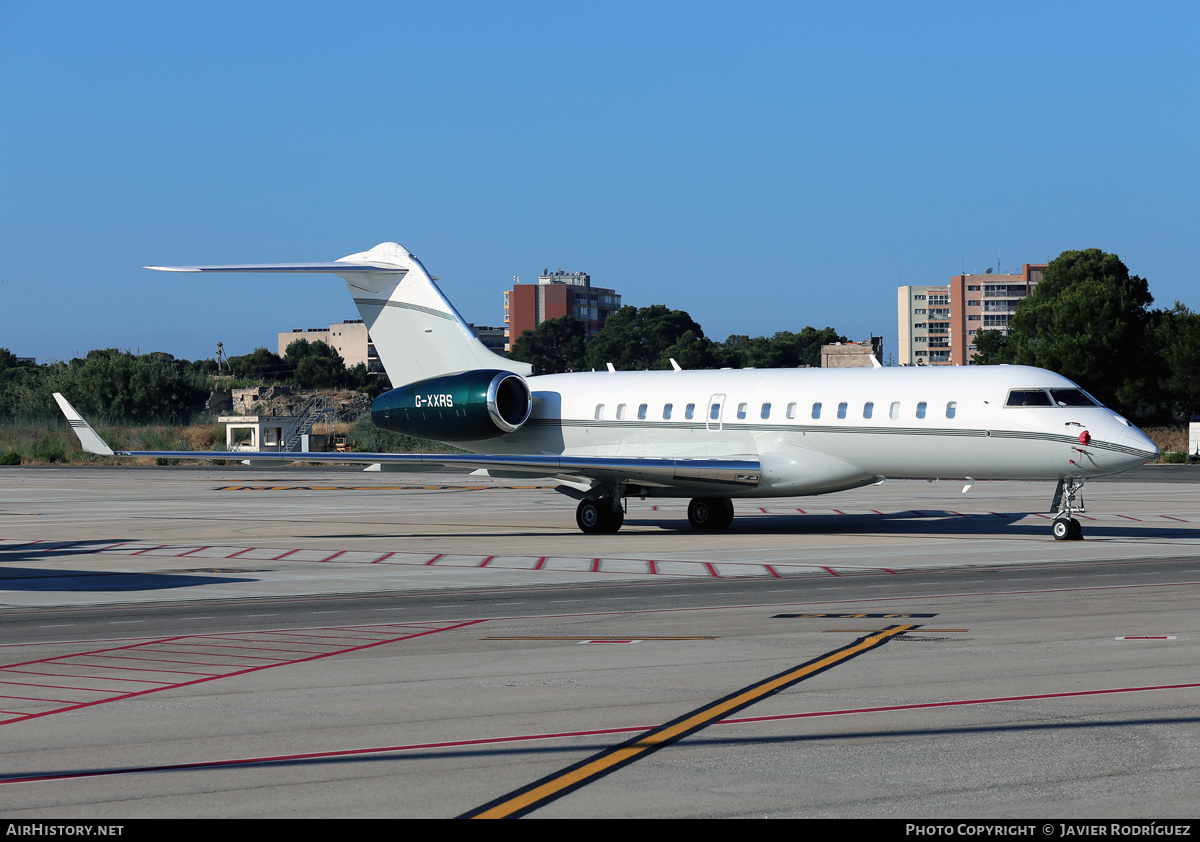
column 316, row 409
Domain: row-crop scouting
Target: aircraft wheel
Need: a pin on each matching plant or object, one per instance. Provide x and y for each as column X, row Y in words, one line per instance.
column 594, row 516
column 722, row 513
column 705, row 513
column 589, row 517
column 1076, row 531
column 1062, row 529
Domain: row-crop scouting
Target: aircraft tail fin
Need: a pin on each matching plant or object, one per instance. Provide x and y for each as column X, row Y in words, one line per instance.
column 415, row 329
column 88, row 437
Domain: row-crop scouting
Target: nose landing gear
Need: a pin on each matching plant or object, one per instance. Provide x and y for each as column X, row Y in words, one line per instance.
column 1065, row 527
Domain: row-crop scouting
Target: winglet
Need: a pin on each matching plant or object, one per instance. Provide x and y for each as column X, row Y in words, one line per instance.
column 88, row 437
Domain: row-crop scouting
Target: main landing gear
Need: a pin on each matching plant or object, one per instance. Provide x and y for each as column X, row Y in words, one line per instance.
column 603, row 514
column 710, row 513
column 606, row 515
column 1065, row 527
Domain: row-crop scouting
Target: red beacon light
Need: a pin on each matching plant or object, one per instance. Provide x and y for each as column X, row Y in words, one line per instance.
column 1085, row 437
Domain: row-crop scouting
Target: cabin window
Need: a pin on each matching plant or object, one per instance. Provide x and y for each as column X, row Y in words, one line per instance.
column 951, row 409
column 895, row 410
column 690, row 411
column 791, row 411
column 599, row 412
column 741, row 410
column 1027, row 397
column 642, row 412
column 715, row 413
column 766, row 411
column 841, row 410
column 868, row 409
column 921, row 409
column 816, row 413
column 620, row 412
column 667, row 411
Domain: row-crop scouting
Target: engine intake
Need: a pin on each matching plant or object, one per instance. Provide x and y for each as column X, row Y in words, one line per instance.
column 470, row 406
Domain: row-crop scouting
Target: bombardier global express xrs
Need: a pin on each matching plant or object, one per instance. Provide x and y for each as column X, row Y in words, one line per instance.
column 711, row 436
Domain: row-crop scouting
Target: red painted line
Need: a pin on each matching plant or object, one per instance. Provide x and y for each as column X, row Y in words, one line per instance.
column 95, row 677
column 541, row 562
column 1127, row 517
column 839, row 511
column 382, row 557
column 876, row 511
column 189, row 552
column 761, row 509
column 831, row 571
column 95, row 652
column 961, row 702
column 435, row 558
column 801, row 511
column 712, row 571
column 595, row 565
column 35, row 699
column 317, row 755
column 284, row 555
column 215, row 655
column 148, row 549
column 561, row 735
column 265, row 649
column 1168, row 517
column 245, row 671
column 484, row 563
column 332, row 557
column 653, row 567
column 772, row 571
column 146, row 660
column 56, row 686
column 239, row 552
column 137, row 669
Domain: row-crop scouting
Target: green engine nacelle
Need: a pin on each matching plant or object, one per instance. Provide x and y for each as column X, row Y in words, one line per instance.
column 470, row 406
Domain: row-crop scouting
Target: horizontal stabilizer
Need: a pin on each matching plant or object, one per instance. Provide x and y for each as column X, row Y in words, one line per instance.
column 332, row 266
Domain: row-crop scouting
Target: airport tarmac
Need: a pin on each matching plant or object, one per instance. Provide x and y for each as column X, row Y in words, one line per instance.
column 324, row 642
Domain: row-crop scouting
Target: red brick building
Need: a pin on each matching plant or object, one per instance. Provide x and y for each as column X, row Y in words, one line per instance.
column 558, row 294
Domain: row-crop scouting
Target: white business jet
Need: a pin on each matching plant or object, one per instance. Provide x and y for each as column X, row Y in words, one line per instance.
column 711, row 436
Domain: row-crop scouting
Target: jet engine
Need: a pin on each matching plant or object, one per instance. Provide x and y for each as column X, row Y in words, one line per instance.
column 469, row 406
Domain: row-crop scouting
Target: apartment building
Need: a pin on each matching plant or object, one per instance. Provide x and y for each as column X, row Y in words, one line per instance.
column 937, row 324
column 557, row 294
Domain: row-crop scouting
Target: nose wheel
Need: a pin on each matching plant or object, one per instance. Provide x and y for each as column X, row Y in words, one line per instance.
column 1068, row 499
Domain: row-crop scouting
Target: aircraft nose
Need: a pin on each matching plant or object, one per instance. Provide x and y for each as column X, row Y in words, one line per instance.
column 1145, row 448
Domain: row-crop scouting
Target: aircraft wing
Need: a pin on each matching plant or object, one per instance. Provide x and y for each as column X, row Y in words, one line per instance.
column 697, row 474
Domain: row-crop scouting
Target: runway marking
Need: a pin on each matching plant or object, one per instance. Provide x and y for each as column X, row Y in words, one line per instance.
column 596, row 638
column 84, row 674
column 850, row 616
column 535, row 795
column 382, row 487
column 559, row 735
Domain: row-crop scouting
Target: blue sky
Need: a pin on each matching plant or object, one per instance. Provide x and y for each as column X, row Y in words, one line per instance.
column 763, row 166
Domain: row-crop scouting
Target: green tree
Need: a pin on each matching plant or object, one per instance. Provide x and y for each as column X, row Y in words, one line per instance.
column 553, row 347
column 260, row 366
column 315, row 365
column 634, row 339
column 1088, row 320
column 122, row 386
column 1177, row 338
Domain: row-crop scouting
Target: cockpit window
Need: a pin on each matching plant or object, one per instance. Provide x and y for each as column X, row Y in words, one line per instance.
column 1028, row 397
column 1072, row 397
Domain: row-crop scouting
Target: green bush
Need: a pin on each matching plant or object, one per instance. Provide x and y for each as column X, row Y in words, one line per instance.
column 10, row 458
column 49, row 450
column 1175, row 458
